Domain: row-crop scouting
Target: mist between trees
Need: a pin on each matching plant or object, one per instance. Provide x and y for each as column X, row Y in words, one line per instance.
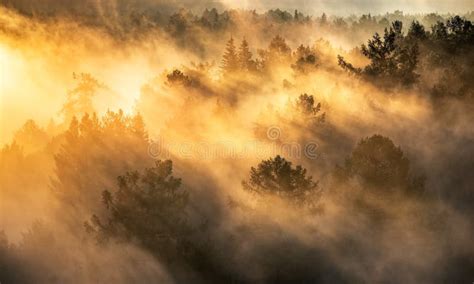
column 235, row 146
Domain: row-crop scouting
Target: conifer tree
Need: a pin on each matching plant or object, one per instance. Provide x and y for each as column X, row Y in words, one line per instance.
column 245, row 56
column 277, row 176
column 230, row 62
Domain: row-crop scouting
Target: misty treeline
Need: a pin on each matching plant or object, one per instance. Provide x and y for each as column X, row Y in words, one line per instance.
column 432, row 60
column 193, row 26
column 387, row 197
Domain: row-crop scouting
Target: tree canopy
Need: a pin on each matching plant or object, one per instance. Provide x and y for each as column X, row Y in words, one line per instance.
column 100, row 150
column 381, row 167
column 149, row 207
column 277, row 176
column 393, row 59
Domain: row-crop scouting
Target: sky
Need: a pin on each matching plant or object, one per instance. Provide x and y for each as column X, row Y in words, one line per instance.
column 314, row 7
column 346, row 7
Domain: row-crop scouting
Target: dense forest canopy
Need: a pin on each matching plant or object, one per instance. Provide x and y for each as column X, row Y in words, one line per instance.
column 198, row 142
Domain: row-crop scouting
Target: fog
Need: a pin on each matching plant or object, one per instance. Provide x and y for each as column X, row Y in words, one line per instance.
column 142, row 142
column 345, row 8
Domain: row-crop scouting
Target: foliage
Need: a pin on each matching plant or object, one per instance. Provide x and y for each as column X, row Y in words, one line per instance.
column 306, row 60
column 306, row 106
column 279, row 15
column 278, row 49
column 177, row 77
column 277, row 176
column 393, row 59
column 94, row 152
column 417, row 31
column 396, row 59
column 381, row 167
column 230, row 59
column 245, row 57
column 148, row 207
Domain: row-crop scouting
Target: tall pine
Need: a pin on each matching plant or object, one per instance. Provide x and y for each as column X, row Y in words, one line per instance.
column 230, row 60
column 245, row 56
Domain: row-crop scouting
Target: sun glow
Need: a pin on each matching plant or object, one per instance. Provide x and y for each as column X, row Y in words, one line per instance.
column 10, row 67
column 4, row 67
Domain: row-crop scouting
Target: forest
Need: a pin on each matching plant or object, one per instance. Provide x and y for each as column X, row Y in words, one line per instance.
column 157, row 142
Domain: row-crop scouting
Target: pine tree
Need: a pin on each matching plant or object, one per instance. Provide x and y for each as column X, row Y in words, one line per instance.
column 245, row 56
column 148, row 206
column 230, row 62
column 100, row 149
column 277, row 176
column 393, row 57
column 324, row 20
column 382, row 167
column 417, row 31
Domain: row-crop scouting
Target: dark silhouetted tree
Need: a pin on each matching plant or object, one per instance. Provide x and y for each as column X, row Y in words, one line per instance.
column 417, row 31
column 439, row 31
column 178, row 24
column 381, row 167
column 306, row 107
column 460, row 27
column 305, row 60
column 393, row 59
column 277, row 176
column 280, row 16
column 178, row 78
column 149, row 207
